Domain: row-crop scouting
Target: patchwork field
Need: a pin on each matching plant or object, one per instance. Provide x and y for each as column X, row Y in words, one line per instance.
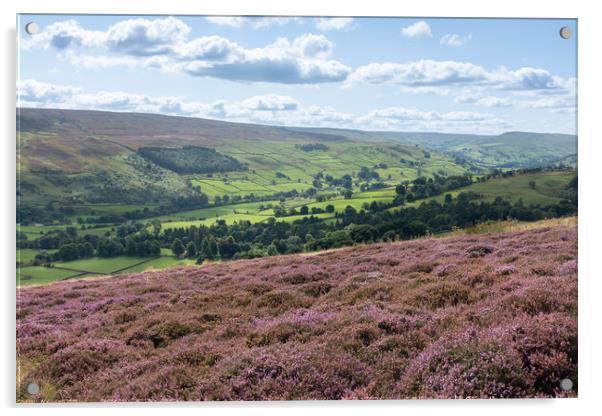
column 546, row 190
column 37, row 275
column 474, row 316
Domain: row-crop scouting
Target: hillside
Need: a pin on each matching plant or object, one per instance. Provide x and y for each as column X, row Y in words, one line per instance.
column 508, row 150
column 91, row 157
column 491, row 315
column 542, row 188
column 83, row 157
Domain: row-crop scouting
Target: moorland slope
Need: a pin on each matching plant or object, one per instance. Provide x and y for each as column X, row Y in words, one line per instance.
column 491, row 315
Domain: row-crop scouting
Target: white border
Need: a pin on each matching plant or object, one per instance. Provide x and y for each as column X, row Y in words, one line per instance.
column 590, row 137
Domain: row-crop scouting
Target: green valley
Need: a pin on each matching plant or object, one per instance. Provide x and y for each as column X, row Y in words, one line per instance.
column 105, row 193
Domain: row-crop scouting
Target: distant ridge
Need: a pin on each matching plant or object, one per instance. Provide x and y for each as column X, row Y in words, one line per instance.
column 512, row 149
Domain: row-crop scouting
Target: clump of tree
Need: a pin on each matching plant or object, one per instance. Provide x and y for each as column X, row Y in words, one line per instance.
column 312, row 147
column 191, row 159
column 177, row 247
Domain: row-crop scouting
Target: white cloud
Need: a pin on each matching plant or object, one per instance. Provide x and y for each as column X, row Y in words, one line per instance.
column 143, row 37
column 494, row 102
column 417, row 30
column 232, row 21
column 421, row 73
column 303, row 61
column 254, row 22
column 163, row 44
column 333, row 23
column 313, row 46
column 63, row 35
column 453, row 39
column 29, row 91
column 209, row 48
column 454, row 74
column 488, row 101
column 271, row 102
column 557, row 103
column 404, row 119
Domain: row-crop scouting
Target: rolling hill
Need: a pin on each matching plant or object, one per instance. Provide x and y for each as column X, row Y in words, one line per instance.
column 508, row 150
column 474, row 316
column 93, row 157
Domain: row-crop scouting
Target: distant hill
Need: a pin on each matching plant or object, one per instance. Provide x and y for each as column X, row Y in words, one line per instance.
column 137, row 129
column 508, row 150
column 92, row 156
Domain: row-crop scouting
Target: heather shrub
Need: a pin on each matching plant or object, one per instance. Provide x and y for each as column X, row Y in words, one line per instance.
column 445, row 269
column 210, row 317
column 404, row 345
column 258, row 289
column 480, row 250
column 367, row 335
column 548, row 345
column 124, row 317
column 466, row 365
column 82, row 360
column 474, row 325
column 422, row 268
column 443, row 294
column 376, row 292
column 505, row 270
column 316, row 289
column 534, row 301
column 281, row 333
column 279, row 302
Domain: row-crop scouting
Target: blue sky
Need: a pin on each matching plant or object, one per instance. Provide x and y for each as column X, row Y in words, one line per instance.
column 419, row 74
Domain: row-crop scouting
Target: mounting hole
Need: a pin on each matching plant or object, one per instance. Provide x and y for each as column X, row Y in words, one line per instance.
column 566, row 384
column 32, row 28
column 565, row 32
column 33, row 388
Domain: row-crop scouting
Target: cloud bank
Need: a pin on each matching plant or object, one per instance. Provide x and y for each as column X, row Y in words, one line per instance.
column 163, row 44
column 272, row 109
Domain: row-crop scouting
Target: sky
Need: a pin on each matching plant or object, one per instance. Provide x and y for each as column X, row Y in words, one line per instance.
column 482, row 76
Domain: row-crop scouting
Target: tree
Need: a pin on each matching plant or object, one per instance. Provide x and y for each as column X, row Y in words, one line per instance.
column 304, row 210
column 228, row 247
column 272, row 250
column 68, row 252
column 177, row 247
column 109, row 247
column 208, row 248
column 347, row 194
column 191, row 251
column 87, row 250
column 415, row 228
column 329, row 208
column 532, row 184
column 400, row 189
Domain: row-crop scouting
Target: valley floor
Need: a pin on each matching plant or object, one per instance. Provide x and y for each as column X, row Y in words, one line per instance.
column 475, row 315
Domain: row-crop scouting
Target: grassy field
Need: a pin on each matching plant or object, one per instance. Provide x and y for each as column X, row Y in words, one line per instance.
column 101, row 264
column 37, row 275
column 36, row 230
column 27, row 255
column 297, row 168
column 548, row 186
column 160, row 263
